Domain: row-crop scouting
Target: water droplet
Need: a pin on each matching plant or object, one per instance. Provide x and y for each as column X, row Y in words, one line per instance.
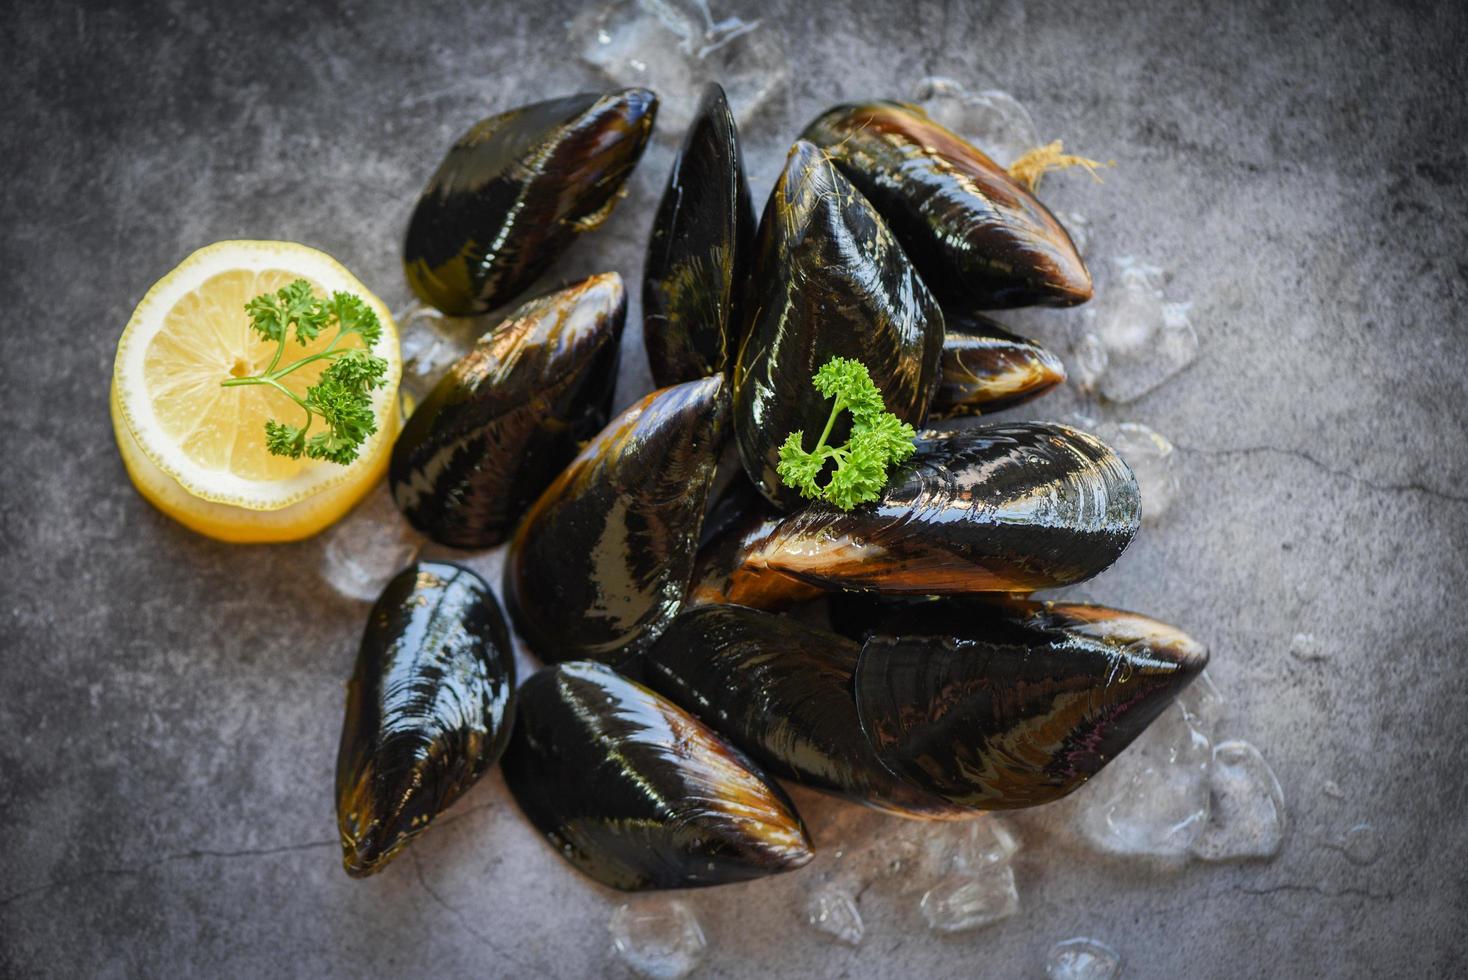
column 1361, row 844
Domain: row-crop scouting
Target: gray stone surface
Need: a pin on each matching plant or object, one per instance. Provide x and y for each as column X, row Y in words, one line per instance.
column 170, row 705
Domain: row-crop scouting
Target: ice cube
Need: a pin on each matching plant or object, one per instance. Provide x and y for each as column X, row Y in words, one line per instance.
column 659, row 938
column 983, row 843
column 673, row 47
column 428, row 347
column 992, row 120
column 363, row 551
column 1088, row 361
column 1146, row 339
column 958, row 903
column 1082, row 959
column 1308, row 646
column 831, row 908
column 1361, row 845
column 1152, row 459
column 1203, row 705
column 1152, row 799
column 1247, row 813
column 1333, row 790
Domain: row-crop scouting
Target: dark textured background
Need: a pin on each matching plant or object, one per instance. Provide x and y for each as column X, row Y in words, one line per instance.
column 169, row 706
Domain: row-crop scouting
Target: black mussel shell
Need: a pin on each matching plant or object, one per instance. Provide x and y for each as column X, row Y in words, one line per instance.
column 701, row 241
column 429, row 709
column 782, row 692
column 602, row 560
column 509, row 416
column 637, row 793
column 986, row 368
column 725, row 572
column 997, row 508
column 829, row 280
column 1015, row 703
column 977, row 236
column 515, row 191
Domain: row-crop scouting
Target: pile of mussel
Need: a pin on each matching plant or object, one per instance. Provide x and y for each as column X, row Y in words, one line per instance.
column 707, row 632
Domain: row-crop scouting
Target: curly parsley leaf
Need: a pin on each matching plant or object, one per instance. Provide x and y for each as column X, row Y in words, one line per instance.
column 878, row 440
column 342, row 396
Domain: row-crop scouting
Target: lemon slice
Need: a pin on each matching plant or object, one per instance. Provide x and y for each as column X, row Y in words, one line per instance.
column 195, row 449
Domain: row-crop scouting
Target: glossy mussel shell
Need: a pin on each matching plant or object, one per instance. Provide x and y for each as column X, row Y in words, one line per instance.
column 702, row 237
column 637, row 793
column 429, row 709
column 507, row 418
column 997, row 508
column 601, row 562
column 782, row 692
column 828, row 280
column 977, row 236
column 986, row 368
column 1015, row 703
column 514, row 192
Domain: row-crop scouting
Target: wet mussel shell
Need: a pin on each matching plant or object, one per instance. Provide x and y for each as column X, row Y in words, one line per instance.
column 997, row 508
column 986, row 368
column 602, row 561
column 507, row 417
column 1013, row 703
column 429, row 709
column 637, row 793
column 702, row 237
column 781, row 691
column 979, row 238
column 516, row 190
column 828, row 280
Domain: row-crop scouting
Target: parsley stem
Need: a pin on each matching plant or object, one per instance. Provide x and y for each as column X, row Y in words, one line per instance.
column 279, row 350
column 836, row 410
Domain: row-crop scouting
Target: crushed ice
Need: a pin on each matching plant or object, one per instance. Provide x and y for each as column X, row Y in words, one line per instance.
column 831, row 908
column 992, row 120
column 673, row 47
column 1247, row 812
column 362, row 552
column 657, row 937
column 1132, row 339
column 1082, row 959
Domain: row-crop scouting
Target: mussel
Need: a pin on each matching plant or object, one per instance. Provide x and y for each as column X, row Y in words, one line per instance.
column 601, row 562
column 509, row 416
column 429, row 709
column 828, row 280
column 515, row 190
column 782, row 692
column 637, row 793
column 1015, row 703
column 979, row 239
column 701, row 241
column 986, row 368
column 998, row 508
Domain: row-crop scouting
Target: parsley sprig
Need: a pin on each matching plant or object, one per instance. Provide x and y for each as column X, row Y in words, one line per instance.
column 342, row 395
column 878, row 439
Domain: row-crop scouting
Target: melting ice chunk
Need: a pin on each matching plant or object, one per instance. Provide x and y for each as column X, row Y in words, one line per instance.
column 659, row 938
column 1151, row 457
column 428, row 348
column 1152, row 799
column 1145, row 339
column 831, row 908
column 983, row 843
column 1082, row 959
column 1247, row 813
column 673, row 47
column 362, row 552
column 992, row 120
column 1203, row 705
column 958, row 903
